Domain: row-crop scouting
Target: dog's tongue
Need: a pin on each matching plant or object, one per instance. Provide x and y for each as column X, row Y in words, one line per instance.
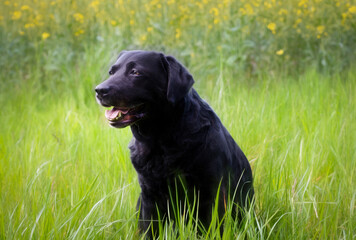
column 114, row 113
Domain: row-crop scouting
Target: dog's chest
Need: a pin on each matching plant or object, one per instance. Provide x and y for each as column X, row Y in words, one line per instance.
column 146, row 158
column 152, row 159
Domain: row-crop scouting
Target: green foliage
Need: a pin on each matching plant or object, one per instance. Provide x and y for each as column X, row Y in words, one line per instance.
column 253, row 36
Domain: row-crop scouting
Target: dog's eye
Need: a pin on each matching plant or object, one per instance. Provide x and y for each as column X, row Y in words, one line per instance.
column 112, row 71
column 134, row 72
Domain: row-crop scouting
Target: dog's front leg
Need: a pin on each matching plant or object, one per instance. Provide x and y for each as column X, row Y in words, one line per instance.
column 149, row 218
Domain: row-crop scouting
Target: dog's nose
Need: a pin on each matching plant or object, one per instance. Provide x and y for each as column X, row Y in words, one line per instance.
column 101, row 90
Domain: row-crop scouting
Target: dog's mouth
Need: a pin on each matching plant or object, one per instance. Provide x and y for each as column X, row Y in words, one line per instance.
column 121, row 117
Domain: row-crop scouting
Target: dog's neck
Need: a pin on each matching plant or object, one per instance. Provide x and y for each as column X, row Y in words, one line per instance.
column 180, row 118
column 161, row 126
column 156, row 129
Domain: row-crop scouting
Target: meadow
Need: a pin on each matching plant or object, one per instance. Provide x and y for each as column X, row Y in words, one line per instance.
column 279, row 74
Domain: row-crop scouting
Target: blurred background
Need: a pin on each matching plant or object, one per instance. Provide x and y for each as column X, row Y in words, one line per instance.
column 280, row 74
column 249, row 36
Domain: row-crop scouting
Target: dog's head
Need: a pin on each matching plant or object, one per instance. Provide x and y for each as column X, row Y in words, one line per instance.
column 139, row 83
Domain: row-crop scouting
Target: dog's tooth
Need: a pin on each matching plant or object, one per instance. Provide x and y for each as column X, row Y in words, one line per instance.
column 118, row 116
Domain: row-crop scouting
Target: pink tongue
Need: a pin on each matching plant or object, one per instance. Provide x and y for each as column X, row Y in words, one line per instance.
column 113, row 113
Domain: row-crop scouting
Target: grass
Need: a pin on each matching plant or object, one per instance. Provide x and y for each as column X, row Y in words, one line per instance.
column 65, row 174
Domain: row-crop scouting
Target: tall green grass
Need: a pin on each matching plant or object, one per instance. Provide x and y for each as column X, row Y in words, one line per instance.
column 65, row 174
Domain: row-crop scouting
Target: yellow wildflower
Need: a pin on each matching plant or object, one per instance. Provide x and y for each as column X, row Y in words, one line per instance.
column 248, row 10
column 280, row 52
column 283, row 12
column 149, row 29
column 143, row 38
column 272, row 26
column 267, row 5
column 16, row 15
column 45, row 35
column 256, row 4
column 7, row 3
column 303, row 3
column 178, row 33
column 214, row 11
column 352, row 9
column 226, row 2
column 78, row 17
column 79, row 32
column 344, row 15
column 29, row 25
column 320, row 30
column 21, row 33
column 25, row 7
column 94, row 5
column 113, row 23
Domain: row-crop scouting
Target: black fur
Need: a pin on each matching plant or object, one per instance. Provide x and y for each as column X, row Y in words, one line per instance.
column 177, row 138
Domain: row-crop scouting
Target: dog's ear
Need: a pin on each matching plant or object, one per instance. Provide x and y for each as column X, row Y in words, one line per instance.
column 180, row 80
column 120, row 54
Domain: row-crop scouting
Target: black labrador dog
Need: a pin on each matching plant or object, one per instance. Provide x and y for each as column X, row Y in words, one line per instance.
column 180, row 149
